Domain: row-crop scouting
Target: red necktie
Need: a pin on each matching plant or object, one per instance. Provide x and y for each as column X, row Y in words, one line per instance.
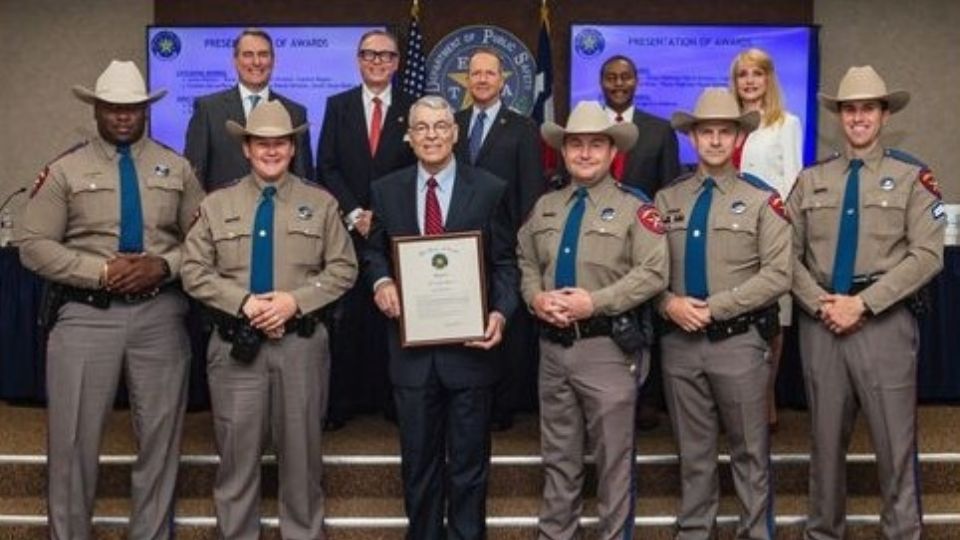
column 376, row 121
column 432, row 218
column 619, row 160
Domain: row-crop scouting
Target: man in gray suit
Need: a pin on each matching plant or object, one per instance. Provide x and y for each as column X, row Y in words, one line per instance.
column 216, row 157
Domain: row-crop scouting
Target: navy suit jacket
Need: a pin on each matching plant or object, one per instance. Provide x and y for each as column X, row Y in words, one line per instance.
column 511, row 150
column 344, row 163
column 478, row 202
column 217, row 156
column 654, row 161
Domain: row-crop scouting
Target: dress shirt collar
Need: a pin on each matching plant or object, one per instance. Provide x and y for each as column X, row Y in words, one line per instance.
column 444, row 177
column 369, row 94
column 627, row 114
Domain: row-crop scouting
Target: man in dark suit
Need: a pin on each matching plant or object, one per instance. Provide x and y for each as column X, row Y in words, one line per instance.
column 442, row 392
column 362, row 140
column 216, row 156
column 655, row 158
column 507, row 144
column 652, row 162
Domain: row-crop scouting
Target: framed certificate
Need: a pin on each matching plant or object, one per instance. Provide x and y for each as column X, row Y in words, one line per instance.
column 442, row 288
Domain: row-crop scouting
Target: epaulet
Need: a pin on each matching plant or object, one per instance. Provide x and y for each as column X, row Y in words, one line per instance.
column 635, row 191
column 827, row 159
column 225, row 185
column 45, row 172
column 774, row 200
column 755, row 181
column 683, row 177
column 165, row 147
column 905, row 157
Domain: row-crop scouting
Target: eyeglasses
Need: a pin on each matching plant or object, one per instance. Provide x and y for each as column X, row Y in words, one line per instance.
column 440, row 128
column 369, row 55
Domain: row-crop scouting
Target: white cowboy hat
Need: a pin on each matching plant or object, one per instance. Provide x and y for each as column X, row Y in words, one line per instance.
column 121, row 83
column 715, row 104
column 268, row 119
column 864, row 83
column 589, row 117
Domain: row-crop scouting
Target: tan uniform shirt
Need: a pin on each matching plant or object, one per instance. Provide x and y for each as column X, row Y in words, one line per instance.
column 748, row 242
column 900, row 230
column 71, row 224
column 621, row 253
column 313, row 257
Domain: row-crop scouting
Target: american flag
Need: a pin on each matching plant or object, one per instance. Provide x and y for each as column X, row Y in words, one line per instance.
column 543, row 106
column 415, row 67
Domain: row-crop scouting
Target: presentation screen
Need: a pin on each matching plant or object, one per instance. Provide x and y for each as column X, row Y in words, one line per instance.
column 675, row 63
column 312, row 63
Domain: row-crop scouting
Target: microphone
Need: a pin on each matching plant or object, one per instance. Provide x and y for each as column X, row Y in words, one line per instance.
column 11, row 196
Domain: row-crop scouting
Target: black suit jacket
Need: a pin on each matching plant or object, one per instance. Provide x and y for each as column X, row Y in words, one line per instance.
column 344, row 164
column 217, row 156
column 654, row 160
column 511, row 150
column 479, row 203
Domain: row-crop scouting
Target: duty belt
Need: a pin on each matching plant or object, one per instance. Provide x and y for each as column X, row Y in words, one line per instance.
column 102, row 298
column 587, row 328
column 859, row 283
column 766, row 319
column 229, row 326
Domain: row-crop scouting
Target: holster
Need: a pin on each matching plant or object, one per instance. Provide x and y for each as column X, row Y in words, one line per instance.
column 51, row 298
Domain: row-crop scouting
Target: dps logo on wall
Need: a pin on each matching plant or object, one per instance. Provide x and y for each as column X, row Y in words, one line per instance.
column 447, row 66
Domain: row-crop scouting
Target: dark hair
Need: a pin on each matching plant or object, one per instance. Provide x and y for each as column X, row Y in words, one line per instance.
column 615, row 58
column 256, row 32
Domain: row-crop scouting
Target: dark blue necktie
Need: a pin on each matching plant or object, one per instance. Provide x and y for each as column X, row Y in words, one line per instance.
column 566, row 271
column 476, row 136
column 695, row 256
column 846, row 257
column 261, row 256
column 131, row 215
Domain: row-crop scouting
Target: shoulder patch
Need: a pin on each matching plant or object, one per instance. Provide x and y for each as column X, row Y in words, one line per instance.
column 927, row 180
column 755, row 181
column 938, row 212
column 635, row 191
column 904, row 157
column 650, row 218
column 685, row 176
column 45, row 172
column 38, row 183
column 776, row 204
column 827, row 159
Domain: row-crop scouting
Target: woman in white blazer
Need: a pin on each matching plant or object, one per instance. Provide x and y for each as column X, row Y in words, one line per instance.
column 772, row 152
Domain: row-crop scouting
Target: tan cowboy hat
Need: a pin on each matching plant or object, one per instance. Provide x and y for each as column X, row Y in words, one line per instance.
column 715, row 104
column 863, row 83
column 268, row 119
column 589, row 117
column 121, row 83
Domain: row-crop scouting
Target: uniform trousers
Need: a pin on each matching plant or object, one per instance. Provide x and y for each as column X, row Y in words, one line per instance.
column 873, row 369
column 588, row 393
column 280, row 397
column 709, row 384
column 87, row 351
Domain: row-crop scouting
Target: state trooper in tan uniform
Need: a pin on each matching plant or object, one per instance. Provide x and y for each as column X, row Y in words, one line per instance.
column 267, row 253
column 104, row 224
column 867, row 235
column 590, row 254
column 729, row 245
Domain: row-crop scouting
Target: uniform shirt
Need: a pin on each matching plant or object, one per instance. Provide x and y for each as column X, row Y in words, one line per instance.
column 621, row 253
column 748, row 242
column 71, row 224
column 313, row 256
column 900, row 231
